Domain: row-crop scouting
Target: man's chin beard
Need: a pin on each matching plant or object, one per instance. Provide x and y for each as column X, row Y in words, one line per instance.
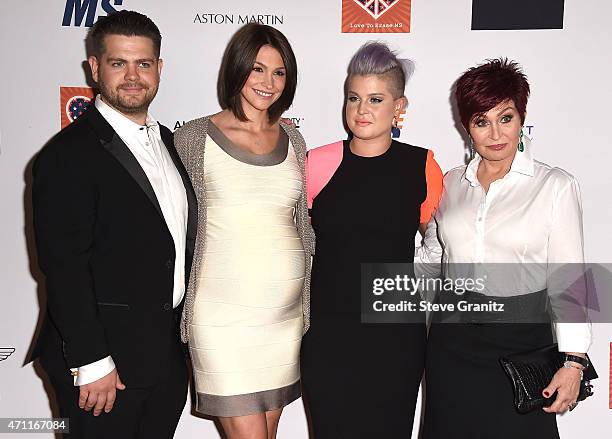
column 126, row 107
column 132, row 109
column 122, row 105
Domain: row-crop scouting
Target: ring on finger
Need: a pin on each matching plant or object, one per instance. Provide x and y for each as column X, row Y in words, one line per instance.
column 573, row 405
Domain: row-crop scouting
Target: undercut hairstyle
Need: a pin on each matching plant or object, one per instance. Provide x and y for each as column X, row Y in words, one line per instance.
column 376, row 58
column 126, row 23
column 484, row 87
column 237, row 65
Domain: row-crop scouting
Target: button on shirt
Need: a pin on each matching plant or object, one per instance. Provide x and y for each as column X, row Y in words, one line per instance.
column 146, row 144
column 532, row 217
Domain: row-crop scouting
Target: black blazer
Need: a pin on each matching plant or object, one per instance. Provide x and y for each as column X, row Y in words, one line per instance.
column 106, row 252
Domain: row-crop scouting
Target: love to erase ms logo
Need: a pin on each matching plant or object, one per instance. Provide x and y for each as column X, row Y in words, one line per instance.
column 377, row 7
column 376, row 16
column 73, row 103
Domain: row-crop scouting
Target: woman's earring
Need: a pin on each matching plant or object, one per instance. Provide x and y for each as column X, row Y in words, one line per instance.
column 472, row 151
column 521, row 145
column 395, row 120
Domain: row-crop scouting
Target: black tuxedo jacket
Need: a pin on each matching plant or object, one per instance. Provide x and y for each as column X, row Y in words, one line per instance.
column 106, row 252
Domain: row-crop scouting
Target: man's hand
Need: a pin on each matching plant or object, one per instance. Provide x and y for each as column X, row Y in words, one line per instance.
column 101, row 394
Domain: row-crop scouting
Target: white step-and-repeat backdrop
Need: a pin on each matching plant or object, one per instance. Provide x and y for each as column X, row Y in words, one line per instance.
column 564, row 46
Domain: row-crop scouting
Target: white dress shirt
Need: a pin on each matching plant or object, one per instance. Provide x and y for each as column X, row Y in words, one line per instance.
column 531, row 218
column 146, row 144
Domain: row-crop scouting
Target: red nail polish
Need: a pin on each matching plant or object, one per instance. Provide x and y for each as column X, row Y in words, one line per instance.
column 546, row 394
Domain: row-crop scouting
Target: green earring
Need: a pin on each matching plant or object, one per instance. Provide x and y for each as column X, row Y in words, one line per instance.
column 521, row 145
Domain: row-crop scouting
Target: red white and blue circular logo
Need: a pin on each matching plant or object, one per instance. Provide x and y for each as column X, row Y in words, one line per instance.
column 76, row 106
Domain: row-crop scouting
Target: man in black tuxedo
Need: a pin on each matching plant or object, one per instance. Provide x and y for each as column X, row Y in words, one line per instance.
column 115, row 223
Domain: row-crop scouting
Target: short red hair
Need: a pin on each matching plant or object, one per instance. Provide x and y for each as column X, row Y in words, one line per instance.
column 484, row 87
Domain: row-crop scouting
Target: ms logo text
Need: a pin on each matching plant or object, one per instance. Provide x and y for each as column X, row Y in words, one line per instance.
column 87, row 9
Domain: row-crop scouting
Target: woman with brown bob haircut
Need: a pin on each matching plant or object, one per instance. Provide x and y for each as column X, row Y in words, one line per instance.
column 246, row 306
column 511, row 221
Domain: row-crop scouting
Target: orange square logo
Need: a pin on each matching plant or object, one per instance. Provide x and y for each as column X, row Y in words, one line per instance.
column 376, row 16
column 73, row 102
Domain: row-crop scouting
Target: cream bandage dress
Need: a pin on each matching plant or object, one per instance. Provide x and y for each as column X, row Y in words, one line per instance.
column 247, row 322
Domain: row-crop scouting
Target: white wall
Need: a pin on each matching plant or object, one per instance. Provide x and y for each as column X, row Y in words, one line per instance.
column 569, row 71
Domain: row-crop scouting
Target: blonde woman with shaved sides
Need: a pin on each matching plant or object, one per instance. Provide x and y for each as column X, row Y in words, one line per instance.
column 369, row 195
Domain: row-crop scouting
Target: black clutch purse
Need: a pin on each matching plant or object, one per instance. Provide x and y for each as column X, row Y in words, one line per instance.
column 530, row 373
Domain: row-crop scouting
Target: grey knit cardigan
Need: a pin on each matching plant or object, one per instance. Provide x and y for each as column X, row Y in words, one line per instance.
column 189, row 141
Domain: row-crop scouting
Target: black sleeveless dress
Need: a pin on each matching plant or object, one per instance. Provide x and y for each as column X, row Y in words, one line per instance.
column 362, row 380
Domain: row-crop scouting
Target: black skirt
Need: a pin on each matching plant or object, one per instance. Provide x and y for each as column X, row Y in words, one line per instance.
column 468, row 395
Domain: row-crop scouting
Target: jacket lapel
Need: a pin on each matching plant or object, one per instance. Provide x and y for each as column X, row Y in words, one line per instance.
column 192, row 209
column 113, row 144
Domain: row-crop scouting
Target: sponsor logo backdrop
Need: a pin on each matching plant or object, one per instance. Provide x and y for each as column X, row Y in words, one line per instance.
column 376, row 16
column 519, row 14
column 561, row 50
column 84, row 12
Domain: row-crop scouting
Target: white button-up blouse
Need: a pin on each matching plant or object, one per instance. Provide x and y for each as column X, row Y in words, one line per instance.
column 532, row 217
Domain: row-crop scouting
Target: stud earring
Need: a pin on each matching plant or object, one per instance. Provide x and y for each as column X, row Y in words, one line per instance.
column 521, row 145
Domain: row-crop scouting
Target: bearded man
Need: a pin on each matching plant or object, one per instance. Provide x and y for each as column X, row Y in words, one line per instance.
column 114, row 218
